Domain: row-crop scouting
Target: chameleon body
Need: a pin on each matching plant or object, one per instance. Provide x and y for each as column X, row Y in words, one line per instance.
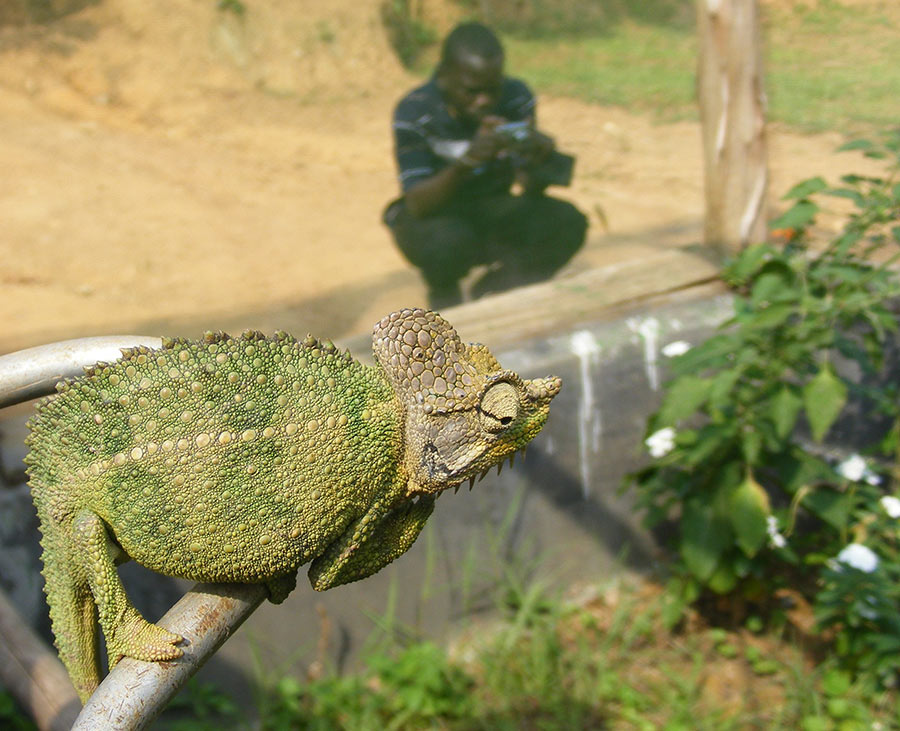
column 241, row 459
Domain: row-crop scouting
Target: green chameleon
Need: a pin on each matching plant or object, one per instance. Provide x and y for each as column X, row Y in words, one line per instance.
column 240, row 459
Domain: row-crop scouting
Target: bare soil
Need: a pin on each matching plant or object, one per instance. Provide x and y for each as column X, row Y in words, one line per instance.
column 171, row 167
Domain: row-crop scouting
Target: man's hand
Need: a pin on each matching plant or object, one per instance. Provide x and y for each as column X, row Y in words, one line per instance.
column 432, row 193
column 486, row 144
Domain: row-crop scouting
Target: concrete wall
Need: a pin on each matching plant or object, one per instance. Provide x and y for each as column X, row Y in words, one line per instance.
column 556, row 517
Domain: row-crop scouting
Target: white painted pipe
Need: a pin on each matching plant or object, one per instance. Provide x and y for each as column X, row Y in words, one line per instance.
column 34, row 372
column 136, row 692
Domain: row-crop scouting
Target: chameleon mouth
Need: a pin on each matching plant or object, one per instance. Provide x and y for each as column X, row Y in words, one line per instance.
column 479, row 476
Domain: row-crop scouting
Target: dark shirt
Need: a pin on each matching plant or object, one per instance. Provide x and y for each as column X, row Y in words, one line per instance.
column 427, row 138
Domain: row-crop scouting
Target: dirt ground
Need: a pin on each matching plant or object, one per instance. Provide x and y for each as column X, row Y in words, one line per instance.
column 171, row 167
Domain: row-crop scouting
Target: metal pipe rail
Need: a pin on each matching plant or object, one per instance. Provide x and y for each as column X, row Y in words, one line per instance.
column 135, row 692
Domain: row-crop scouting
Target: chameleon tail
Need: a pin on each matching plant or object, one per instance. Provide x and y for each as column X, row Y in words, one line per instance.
column 73, row 614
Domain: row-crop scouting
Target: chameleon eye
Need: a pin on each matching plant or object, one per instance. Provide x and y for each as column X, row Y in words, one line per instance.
column 499, row 406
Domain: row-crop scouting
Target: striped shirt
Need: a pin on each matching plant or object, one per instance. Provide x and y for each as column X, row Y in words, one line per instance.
column 427, row 138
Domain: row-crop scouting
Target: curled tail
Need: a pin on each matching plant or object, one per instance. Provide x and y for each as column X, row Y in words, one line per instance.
column 73, row 614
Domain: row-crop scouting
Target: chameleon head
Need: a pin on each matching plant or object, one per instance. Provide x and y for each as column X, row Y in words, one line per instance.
column 463, row 412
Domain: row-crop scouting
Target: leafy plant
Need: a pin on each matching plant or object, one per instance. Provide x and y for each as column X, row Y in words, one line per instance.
column 406, row 689
column 11, row 717
column 232, row 6
column 201, row 706
column 737, row 441
column 408, row 35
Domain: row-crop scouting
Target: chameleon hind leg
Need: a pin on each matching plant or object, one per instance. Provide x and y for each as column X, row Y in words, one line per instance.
column 127, row 633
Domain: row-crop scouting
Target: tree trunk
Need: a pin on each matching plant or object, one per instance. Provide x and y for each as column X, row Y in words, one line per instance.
column 733, row 119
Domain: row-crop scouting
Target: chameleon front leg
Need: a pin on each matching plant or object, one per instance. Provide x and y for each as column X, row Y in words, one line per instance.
column 127, row 633
column 370, row 544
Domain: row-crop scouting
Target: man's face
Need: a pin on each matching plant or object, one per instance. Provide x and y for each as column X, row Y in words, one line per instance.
column 471, row 86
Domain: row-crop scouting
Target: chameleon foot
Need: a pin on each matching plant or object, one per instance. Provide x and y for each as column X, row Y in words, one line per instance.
column 137, row 638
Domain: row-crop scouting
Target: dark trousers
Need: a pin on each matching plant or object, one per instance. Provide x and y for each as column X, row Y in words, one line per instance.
column 522, row 238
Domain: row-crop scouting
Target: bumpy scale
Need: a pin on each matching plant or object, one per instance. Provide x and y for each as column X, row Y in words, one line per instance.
column 241, row 459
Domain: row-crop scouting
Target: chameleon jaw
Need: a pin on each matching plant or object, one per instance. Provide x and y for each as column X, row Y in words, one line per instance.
column 478, row 477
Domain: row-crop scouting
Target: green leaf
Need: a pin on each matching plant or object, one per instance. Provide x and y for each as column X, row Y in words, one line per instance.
column 748, row 262
column 685, row 396
column 849, row 193
column 712, row 438
column 824, row 398
column 722, row 383
column 836, row 683
column 806, row 188
column 723, row 579
column 797, row 216
column 771, row 316
column 714, row 353
column 784, row 410
column 774, row 284
column 751, row 445
column 704, row 536
column 831, row 506
column 816, row 723
column 749, row 510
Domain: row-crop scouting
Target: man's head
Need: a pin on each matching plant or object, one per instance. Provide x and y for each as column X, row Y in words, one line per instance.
column 470, row 72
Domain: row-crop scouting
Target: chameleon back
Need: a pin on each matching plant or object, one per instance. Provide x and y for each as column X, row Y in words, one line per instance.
column 221, row 459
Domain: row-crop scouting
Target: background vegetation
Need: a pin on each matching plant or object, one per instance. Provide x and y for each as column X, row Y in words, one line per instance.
column 829, row 66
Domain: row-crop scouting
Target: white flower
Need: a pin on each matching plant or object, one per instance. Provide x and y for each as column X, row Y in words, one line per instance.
column 853, row 468
column 679, row 347
column 891, row 505
column 775, row 538
column 858, row 556
column 661, row 442
column 872, row 478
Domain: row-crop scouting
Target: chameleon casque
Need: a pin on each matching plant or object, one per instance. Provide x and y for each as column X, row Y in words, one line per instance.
column 241, row 459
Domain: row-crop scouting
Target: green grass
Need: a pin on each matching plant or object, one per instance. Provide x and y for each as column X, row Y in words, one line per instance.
column 626, row 655
column 647, row 68
column 828, row 67
column 834, row 67
column 610, row 661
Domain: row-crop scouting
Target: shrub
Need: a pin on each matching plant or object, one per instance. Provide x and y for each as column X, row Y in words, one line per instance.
column 739, row 464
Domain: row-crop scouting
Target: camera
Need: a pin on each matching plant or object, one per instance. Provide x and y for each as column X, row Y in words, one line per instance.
column 516, row 133
column 556, row 169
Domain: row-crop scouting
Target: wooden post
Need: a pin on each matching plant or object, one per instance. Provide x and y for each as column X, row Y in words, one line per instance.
column 733, row 119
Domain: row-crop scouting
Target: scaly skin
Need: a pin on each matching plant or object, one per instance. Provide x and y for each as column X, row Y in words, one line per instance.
column 241, row 459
